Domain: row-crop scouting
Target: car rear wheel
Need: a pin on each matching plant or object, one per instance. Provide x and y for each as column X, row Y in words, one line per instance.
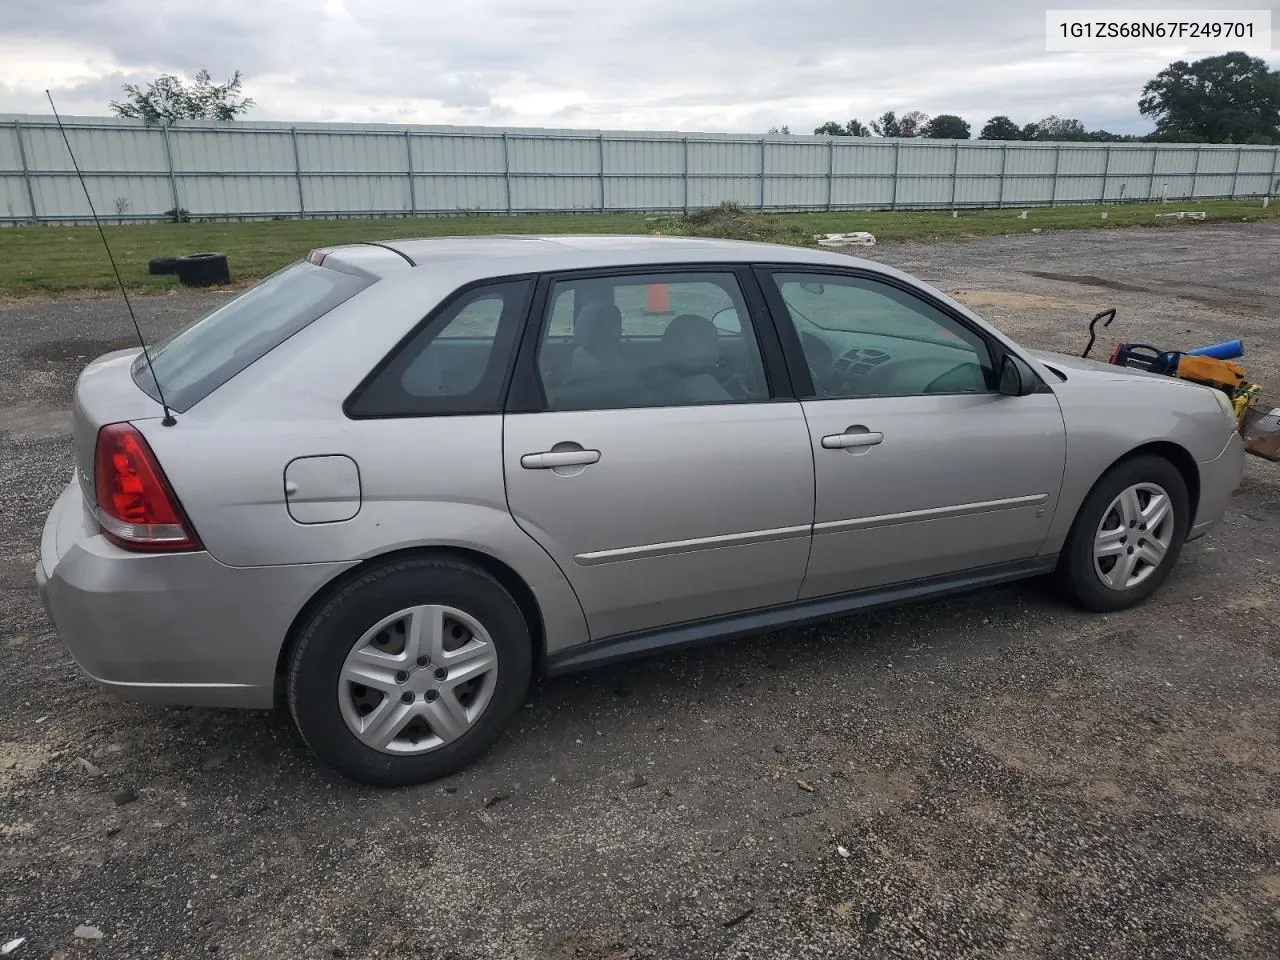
column 410, row 672
column 1127, row 535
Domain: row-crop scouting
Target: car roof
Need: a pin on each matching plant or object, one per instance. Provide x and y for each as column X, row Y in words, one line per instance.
column 506, row 254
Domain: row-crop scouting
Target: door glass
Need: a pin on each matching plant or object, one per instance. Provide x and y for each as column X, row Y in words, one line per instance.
column 649, row 340
column 864, row 338
column 456, row 363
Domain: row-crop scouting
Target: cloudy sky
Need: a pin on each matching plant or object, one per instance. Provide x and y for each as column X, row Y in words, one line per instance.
column 694, row 65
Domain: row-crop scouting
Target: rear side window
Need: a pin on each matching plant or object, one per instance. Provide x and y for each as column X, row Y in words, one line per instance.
column 201, row 357
column 650, row 340
column 455, row 363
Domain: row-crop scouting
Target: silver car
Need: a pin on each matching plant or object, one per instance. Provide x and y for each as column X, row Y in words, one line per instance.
column 393, row 482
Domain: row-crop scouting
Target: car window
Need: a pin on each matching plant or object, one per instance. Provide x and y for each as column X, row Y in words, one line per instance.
column 477, row 318
column 863, row 338
column 457, row 363
column 202, row 356
column 645, row 341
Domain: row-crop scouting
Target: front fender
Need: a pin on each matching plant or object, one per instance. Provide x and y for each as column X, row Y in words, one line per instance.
column 1107, row 420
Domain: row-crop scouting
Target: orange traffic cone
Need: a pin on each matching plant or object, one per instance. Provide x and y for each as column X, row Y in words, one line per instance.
column 657, row 300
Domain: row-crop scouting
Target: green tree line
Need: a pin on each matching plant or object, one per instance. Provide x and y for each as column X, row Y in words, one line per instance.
column 1230, row 98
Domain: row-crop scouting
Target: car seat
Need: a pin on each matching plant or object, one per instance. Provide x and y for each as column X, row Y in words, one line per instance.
column 597, row 338
column 690, row 349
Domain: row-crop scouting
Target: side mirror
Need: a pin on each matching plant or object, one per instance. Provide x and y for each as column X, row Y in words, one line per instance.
column 1016, row 378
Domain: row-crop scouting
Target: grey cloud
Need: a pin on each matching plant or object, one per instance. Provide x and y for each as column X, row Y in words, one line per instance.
column 463, row 95
column 692, row 64
column 413, row 83
column 85, row 98
column 180, row 35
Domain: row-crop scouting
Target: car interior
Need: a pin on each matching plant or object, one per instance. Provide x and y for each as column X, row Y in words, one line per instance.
column 874, row 365
column 865, row 339
column 614, row 354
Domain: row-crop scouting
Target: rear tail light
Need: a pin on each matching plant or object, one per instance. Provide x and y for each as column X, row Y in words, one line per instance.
column 137, row 509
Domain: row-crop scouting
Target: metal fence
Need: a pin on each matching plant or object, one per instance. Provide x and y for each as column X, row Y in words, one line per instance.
column 256, row 170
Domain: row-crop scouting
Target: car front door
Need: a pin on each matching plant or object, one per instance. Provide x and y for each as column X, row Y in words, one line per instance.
column 658, row 459
column 923, row 468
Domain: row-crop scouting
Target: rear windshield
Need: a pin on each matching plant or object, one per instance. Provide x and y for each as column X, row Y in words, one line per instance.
column 201, row 357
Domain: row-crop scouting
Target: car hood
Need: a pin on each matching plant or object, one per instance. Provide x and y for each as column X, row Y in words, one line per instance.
column 1078, row 367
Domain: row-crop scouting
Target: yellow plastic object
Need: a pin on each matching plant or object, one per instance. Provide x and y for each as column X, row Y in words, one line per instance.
column 1244, row 396
column 1211, row 371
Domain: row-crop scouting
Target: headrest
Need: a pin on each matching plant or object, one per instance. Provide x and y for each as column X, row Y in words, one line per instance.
column 691, row 343
column 599, row 325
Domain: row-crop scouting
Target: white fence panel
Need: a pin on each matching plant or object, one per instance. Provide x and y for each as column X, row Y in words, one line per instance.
column 262, row 170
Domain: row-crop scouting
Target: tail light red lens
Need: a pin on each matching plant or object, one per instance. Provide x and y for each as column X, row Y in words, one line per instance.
column 137, row 509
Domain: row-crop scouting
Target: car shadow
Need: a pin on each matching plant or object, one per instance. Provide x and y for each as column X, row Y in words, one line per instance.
column 600, row 719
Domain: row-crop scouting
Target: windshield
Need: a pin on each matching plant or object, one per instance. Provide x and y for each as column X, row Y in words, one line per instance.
column 201, row 357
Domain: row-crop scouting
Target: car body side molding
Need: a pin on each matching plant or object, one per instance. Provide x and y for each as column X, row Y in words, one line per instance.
column 673, row 547
column 935, row 513
column 642, row 643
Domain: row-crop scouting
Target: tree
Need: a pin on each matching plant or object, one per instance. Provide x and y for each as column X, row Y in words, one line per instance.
column 947, row 126
column 167, row 98
column 1059, row 128
column 1106, row 136
column 783, row 130
column 887, row 125
column 1000, row 128
column 912, row 124
column 854, row 128
column 1230, row 98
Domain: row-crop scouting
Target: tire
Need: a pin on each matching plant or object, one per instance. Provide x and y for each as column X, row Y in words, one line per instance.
column 203, row 269
column 1101, row 583
column 163, row 266
column 328, row 707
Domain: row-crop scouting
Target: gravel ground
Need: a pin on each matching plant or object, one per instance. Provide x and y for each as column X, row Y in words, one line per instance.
column 996, row 775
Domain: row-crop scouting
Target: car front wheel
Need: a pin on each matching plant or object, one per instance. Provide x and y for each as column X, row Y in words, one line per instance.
column 411, row 671
column 1127, row 535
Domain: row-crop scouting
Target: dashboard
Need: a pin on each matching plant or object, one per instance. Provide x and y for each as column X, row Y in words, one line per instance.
column 870, row 365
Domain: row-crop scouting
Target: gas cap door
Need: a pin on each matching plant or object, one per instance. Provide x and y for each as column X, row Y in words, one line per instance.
column 323, row 489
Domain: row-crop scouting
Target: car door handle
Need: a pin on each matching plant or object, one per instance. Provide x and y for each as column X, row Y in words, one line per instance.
column 843, row 441
column 549, row 459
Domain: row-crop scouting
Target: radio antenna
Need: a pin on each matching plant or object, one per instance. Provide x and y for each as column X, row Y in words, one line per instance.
column 168, row 420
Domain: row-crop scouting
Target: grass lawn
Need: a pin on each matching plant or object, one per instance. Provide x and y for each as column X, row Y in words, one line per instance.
column 47, row 260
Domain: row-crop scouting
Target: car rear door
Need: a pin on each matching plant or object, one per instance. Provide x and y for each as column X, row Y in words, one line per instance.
column 922, row 467
column 663, row 464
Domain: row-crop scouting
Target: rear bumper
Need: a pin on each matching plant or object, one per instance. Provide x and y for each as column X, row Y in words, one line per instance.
column 176, row 628
column 1219, row 478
